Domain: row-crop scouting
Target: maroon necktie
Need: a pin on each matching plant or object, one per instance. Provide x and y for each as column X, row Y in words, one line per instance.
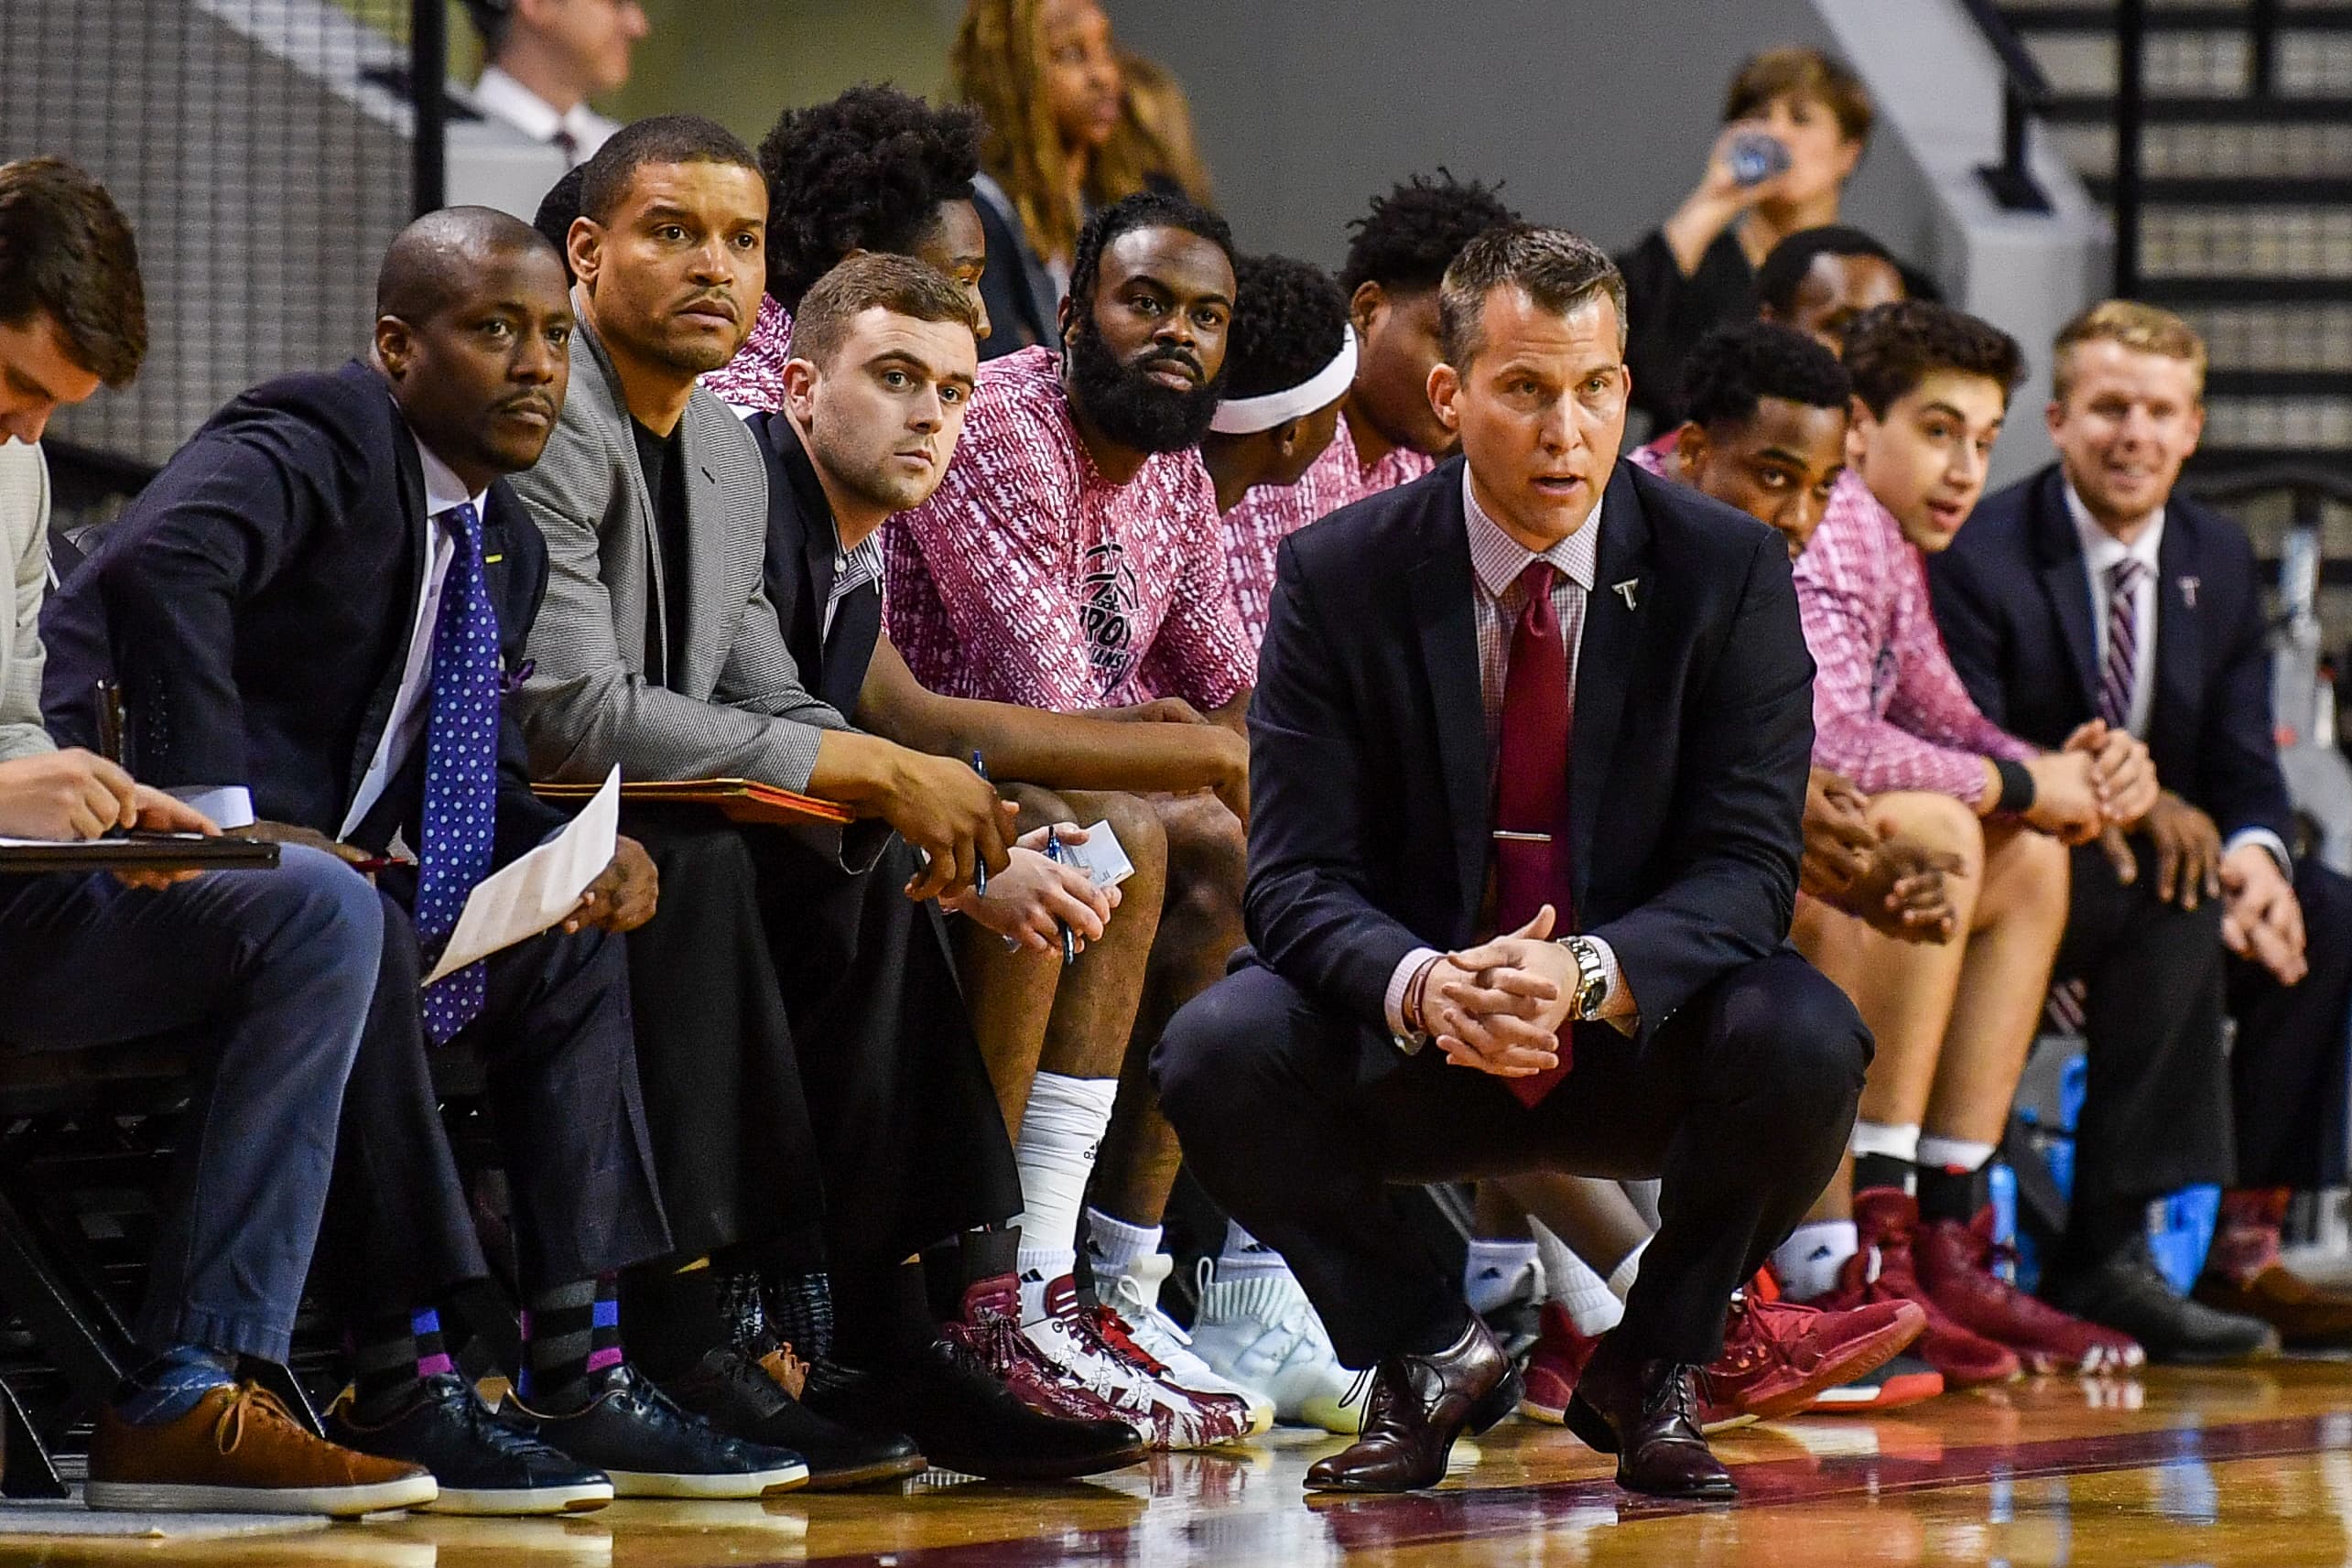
column 1531, row 805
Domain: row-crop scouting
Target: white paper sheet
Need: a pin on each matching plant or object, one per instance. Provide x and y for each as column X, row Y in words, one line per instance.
column 540, row 889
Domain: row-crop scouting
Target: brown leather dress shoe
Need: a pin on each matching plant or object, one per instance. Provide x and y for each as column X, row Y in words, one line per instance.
column 1417, row 1406
column 1646, row 1413
column 2306, row 1315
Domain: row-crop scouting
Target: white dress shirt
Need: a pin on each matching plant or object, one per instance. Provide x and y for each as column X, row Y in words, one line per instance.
column 500, row 94
column 2102, row 553
column 232, row 805
column 1496, row 561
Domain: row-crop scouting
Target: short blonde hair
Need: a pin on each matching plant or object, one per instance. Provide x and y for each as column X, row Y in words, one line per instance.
column 2144, row 328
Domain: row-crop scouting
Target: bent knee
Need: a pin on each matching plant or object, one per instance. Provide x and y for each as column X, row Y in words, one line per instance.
column 1936, row 821
column 329, row 902
column 1795, row 1029
column 1223, row 1042
column 1138, row 828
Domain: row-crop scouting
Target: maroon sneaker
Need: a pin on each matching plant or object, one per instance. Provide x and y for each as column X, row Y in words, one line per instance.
column 1553, row 1365
column 1886, row 1219
column 989, row 1332
column 1779, row 1357
column 1955, row 1263
column 1903, row 1381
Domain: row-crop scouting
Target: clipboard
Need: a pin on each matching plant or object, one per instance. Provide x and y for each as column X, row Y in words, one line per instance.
column 137, row 852
column 741, row 800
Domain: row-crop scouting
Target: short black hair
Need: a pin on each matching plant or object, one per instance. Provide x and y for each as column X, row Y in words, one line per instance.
column 866, row 171
column 66, row 252
column 1144, row 209
column 426, row 266
column 662, row 139
column 1412, row 234
column 1289, row 319
column 558, row 208
column 1783, row 272
column 1891, row 349
column 1734, row 368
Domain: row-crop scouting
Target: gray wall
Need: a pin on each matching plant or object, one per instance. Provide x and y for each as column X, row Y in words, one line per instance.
column 1598, row 113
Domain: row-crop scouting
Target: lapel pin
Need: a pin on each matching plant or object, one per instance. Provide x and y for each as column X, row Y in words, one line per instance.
column 1624, row 590
column 2189, row 591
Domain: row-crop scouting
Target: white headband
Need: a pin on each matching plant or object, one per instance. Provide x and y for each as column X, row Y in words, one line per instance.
column 1248, row 415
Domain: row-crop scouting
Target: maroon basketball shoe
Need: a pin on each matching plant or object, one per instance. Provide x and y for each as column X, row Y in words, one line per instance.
column 1553, row 1365
column 1779, row 1357
column 1886, row 1220
column 1955, row 1263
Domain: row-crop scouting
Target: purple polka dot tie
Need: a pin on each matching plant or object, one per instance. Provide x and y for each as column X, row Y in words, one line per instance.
column 460, row 771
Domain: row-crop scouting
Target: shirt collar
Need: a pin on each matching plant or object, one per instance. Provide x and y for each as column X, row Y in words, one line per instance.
column 1498, row 559
column 499, row 94
column 2102, row 551
column 444, row 492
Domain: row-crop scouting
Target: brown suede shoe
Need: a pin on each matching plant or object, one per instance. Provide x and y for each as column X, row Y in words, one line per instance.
column 239, row 1451
column 2306, row 1316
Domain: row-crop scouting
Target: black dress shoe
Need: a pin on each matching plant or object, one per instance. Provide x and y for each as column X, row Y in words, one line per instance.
column 1646, row 1413
column 1417, row 1407
column 635, row 1435
column 2125, row 1290
column 967, row 1418
column 484, row 1466
column 743, row 1399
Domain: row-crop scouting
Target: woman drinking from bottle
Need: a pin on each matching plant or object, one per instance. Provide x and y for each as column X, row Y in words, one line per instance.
column 1795, row 123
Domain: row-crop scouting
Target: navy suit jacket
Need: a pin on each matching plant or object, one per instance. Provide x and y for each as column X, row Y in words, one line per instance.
column 257, row 601
column 2014, row 604
column 802, row 546
column 1372, row 790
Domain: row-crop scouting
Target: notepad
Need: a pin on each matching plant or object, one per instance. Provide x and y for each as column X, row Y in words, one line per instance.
column 135, row 852
column 741, row 800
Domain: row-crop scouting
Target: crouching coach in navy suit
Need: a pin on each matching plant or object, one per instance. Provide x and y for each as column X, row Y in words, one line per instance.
column 1530, row 740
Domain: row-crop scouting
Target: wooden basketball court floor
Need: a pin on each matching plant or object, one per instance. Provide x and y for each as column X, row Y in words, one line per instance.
column 2243, row 1465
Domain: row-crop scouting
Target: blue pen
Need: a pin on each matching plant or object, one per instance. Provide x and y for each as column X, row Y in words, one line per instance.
column 1069, row 942
column 979, row 865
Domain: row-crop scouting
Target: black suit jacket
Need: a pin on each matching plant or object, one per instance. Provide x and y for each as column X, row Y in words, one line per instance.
column 802, row 545
column 2014, row 604
column 1369, row 824
column 257, row 601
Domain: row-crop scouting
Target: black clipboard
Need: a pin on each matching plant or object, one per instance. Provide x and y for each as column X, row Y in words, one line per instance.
column 138, row 852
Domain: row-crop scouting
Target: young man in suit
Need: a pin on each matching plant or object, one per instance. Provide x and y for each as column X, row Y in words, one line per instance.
column 268, row 975
column 2094, row 590
column 660, row 650
column 548, row 58
column 315, row 611
column 1540, row 672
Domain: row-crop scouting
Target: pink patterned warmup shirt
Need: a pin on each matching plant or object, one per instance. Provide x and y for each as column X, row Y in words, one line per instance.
column 1269, row 514
column 1029, row 577
column 1889, row 711
column 754, row 378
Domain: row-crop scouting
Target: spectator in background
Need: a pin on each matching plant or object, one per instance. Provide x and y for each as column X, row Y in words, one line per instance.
column 2039, row 628
column 873, row 169
column 1155, row 144
column 1819, row 280
column 1387, row 433
column 548, row 58
column 1799, row 109
column 1047, row 77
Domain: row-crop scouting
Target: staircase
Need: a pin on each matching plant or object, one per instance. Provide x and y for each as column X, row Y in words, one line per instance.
column 2245, row 229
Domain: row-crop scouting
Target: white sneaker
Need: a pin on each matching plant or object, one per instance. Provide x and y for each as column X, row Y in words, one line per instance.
column 1261, row 1331
column 1135, row 1294
column 1091, row 1345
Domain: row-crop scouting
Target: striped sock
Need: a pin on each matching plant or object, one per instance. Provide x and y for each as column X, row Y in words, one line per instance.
column 569, row 1333
column 390, row 1357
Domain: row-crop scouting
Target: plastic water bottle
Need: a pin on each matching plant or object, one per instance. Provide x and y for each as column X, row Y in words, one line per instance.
column 1755, row 158
column 2001, row 1183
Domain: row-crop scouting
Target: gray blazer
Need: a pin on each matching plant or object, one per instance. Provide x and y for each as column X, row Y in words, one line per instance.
column 25, row 545
column 734, row 708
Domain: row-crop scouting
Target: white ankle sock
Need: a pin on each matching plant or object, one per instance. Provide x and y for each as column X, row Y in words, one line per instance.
column 1060, row 1133
column 1808, row 1261
column 1570, row 1281
column 1492, row 1272
column 1246, row 1257
column 1937, row 1154
column 1621, row 1278
column 1111, row 1244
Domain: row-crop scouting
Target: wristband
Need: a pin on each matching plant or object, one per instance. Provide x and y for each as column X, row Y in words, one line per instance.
column 2016, row 785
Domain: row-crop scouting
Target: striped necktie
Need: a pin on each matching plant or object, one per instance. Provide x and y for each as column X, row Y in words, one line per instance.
column 2122, row 672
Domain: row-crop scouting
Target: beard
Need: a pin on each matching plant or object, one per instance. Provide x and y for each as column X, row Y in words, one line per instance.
column 1129, row 408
